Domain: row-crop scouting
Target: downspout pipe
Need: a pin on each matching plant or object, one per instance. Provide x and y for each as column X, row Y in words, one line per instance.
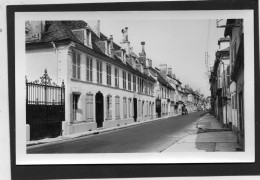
column 56, row 52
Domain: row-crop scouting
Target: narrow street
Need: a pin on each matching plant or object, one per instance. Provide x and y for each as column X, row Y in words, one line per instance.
column 155, row 136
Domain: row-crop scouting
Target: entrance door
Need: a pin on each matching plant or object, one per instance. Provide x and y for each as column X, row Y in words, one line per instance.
column 158, row 107
column 99, row 109
column 135, row 109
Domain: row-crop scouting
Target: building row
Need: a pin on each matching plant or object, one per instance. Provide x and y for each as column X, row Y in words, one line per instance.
column 227, row 79
column 106, row 84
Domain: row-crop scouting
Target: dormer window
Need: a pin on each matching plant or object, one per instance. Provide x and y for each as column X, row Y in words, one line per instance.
column 123, row 56
column 84, row 35
column 108, row 47
column 88, row 37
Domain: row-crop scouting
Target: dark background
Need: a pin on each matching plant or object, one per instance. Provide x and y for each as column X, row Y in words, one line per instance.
column 130, row 170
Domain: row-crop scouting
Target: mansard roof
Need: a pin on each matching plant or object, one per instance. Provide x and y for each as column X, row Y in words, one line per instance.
column 160, row 79
column 61, row 32
column 57, row 31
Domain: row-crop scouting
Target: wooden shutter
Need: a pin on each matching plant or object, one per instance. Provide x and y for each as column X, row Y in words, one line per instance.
column 110, row 107
column 71, row 107
column 78, row 66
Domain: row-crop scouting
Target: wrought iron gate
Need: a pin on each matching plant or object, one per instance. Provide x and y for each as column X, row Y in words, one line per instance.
column 45, row 107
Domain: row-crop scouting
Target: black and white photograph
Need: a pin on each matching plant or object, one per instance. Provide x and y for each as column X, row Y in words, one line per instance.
column 170, row 92
column 161, row 84
column 118, row 87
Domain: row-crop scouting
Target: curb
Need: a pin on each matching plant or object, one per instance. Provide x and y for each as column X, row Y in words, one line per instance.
column 64, row 138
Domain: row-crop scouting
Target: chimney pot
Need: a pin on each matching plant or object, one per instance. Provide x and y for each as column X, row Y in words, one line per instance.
column 143, row 48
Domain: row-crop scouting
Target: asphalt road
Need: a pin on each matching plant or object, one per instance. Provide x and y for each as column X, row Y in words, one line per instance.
column 154, row 136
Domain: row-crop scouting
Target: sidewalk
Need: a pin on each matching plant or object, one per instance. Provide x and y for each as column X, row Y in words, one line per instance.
column 89, row 133
column 211, row 137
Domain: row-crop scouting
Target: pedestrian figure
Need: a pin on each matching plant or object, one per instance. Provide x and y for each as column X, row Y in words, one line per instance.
column 184, row 110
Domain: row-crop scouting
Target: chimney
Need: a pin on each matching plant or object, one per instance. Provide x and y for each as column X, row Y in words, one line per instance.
column 142, row 55
column 95, row 27
column 126, row 34
column 163, row 70
column 128, row 48
column 149, row 63
column 112, row 50
column 111, row 41
column 143, row 46
column 170, row 71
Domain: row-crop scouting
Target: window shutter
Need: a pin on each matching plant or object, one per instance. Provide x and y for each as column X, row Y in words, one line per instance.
column 78, row 66
column 71, row 107
column 110, row 107
column 228, row 74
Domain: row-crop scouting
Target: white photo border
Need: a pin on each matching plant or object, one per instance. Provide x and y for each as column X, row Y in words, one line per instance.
column 22, row 158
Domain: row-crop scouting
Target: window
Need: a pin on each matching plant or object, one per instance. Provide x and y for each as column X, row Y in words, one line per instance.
column 218, row 78
column 152, row 109
column 124, row 80
column 89, row 69
column 116, row 77
column 139, row 108
column 108, row 47
column 138, row 84
column 75, row 99
column 88, row 38
column 129, row 107
column 99, row 72
column 134, row 83
column 125, row 107
column 89, row 107
column 75, row 65
column 117, row 107
column 109, row 107
column 129, row 81
column 141, row 85
column 108, row 74
column 147, row 109
column 228, row 75
column 142, row 109
column 145, row 87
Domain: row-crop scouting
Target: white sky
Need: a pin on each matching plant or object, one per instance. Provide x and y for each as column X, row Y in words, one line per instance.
column 180, row 44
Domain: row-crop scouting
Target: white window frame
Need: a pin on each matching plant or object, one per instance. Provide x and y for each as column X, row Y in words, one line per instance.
column 109, row 107
column 89, row 107
column 117, row 110
column 76, row 65
column 125, row 107
column 124, row 79
column 129, row 81
column 99, row 71
column 116, row 77
column 89, row 69
column 109, row 74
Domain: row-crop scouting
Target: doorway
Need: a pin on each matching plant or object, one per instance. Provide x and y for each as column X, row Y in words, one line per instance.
column 135, row 109
column 158, row 107
column 99, row 109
